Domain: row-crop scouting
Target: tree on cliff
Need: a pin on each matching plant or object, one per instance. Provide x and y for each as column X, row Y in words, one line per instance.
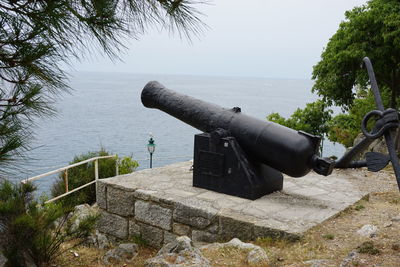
column 37, row 36
column 371, row 30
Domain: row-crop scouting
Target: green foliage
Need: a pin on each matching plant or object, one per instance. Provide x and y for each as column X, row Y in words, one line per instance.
column 32, row 230
column 312, row 119
column 329, row 236
column 37, row 37
column 344, row 128
column 85, row 173
column 126, row 165
column 359, row 207
column 368, row 247
column 371, row 30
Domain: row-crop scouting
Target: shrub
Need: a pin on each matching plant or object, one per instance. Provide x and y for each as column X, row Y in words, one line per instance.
column 368, row 247
column 84, row 173
column 34, row 231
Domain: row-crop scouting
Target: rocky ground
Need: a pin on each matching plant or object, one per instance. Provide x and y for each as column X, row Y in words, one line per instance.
column 366, row 234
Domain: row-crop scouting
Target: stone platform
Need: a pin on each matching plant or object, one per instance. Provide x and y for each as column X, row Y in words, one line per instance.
column 160, row 204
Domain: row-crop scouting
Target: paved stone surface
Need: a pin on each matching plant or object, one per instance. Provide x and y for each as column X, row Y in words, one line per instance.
column 303, row 202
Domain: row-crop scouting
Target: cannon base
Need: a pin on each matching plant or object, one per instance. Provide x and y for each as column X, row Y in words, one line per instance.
column 221, row 165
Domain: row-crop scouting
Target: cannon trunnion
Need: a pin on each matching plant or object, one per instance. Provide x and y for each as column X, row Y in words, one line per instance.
column 237, row 154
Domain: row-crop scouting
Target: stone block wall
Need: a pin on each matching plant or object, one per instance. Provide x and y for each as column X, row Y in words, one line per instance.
column 126, row 212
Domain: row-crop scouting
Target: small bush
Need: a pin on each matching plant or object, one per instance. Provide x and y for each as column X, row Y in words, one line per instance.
column 368, row 248
column 84, row 173
column 35, row 231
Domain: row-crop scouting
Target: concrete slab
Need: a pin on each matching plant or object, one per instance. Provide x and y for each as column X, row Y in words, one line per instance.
column 303, row 202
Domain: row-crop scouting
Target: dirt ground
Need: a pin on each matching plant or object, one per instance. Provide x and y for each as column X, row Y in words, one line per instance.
column 330, row 241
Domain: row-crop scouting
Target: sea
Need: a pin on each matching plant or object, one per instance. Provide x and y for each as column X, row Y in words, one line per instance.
column 105, row 110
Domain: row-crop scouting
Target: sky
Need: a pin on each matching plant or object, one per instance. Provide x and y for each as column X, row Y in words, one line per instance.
column 252, row 38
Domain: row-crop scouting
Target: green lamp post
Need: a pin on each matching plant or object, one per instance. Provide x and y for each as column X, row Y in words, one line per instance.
column 151, row 147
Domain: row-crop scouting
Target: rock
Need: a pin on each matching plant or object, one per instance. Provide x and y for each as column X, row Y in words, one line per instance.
column 180, row 243
column 80, row 213
column 178, row 253
column 368, row 230
column 378, row 145
column 318, row 263
column 388, row 224
column 348, row 260
column 396, row 219
column 102, row 241
column 124, row 252
column 169, row 237
column 74, row 253
column 98, row 240
column 255, row 255
column 235, row 242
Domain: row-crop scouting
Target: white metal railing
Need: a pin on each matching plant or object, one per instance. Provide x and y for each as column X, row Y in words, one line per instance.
column 65, row 170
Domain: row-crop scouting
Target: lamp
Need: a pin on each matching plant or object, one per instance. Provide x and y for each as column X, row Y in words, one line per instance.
column 151, row 147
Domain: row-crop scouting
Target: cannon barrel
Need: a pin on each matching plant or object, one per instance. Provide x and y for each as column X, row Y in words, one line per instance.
column 291, row 152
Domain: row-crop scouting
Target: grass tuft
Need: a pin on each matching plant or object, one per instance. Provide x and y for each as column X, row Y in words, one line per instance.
column 328, row 236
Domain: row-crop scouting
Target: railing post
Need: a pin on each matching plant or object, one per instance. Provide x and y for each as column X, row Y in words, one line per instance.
column 96, row 172
column 66, row 180
column 116, row 166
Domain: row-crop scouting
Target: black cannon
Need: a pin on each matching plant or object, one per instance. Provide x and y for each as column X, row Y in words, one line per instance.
column 237, row 154
column 243, row 156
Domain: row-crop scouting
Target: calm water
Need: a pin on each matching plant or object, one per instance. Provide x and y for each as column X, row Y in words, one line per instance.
column 105, row 110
